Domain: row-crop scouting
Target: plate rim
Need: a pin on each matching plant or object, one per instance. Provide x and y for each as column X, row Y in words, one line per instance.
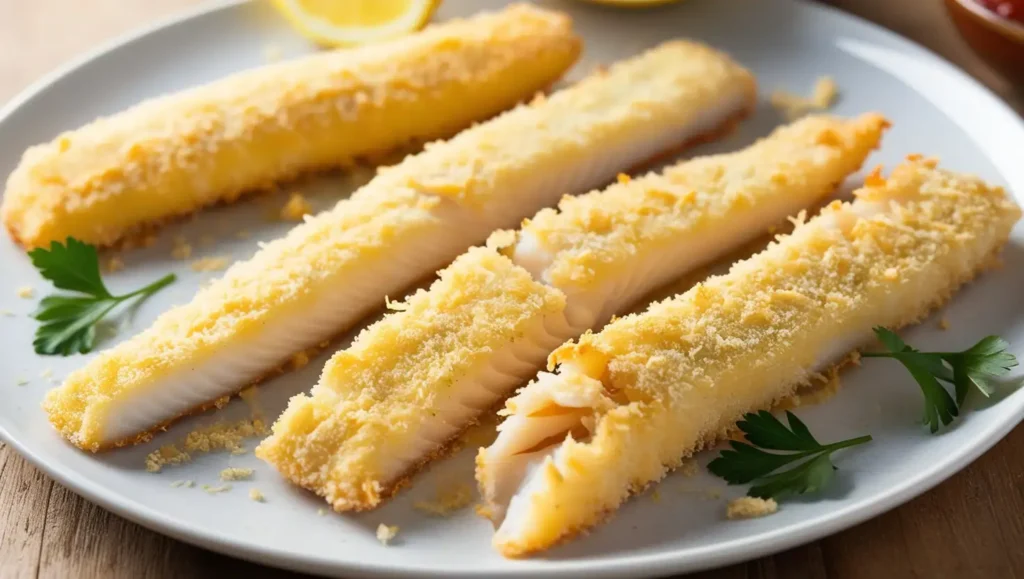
column 659, row 563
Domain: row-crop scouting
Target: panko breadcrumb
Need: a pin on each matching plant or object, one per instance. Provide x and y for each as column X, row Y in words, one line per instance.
column 113, row 264
column 166, row 455
column 386, row 533
column 213, row 490
column 235, row 473
column 793, row 106
column 26, row 292
column 750, row 508
column 257, row 495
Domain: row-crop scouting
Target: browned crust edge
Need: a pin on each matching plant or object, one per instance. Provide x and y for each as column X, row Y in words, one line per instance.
column 940, row 300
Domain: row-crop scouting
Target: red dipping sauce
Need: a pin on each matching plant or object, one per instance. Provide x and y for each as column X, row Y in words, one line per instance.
column 1009, row 9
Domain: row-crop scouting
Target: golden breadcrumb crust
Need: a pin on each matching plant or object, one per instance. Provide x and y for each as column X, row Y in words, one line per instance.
column 592, row 235
column 173, row 155
column 681, row 373
column 288, row 276
column 372, row 399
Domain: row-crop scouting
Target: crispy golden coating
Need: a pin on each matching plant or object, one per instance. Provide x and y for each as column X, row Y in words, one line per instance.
column 173, row 155
column 350, row 439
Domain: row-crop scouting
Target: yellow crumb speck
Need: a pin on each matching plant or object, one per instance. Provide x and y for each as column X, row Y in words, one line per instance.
column 448, row 500
column 26, row 292
column 181, row 249
column 234, row 473
column 943, row 323
column 113, row 263
column 793, row 106
column 623, row 178
column 386, row 533
column 223, row 435
column 210, row 264
column 296, row 208
column 7, row 313
column 166, row 455
column 189, row 484
column 217, row 489
column 656, row 496
column 689, row 468
column 750, row 508
column 257, row 495
column 46, row 373
column 321, row 512
column 177, row 483
column 21, row 381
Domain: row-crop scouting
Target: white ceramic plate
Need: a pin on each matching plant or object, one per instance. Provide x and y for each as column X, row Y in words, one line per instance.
column 935, row 109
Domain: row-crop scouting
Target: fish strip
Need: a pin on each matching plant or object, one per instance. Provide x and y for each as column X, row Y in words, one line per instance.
column 409, row 384
column 628, row 404
column 410, row 220
column 176, row 154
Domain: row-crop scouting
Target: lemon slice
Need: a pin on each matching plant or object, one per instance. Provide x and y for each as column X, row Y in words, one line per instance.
column 348, row 22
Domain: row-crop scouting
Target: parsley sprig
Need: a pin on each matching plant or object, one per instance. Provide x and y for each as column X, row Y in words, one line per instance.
column 978, row 367
column 750, row 462
column 69, row 321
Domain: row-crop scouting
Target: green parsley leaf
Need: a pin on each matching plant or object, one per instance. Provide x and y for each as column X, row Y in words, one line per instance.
column 980, row 366
column 68, row 322
column 747, row 462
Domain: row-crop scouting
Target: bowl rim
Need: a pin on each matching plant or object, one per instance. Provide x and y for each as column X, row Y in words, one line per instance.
column 992, row 19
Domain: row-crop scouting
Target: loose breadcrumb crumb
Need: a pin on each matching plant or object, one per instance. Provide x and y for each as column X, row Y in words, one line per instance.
column 26, row 292
column 7, row 313
column 386, row 533
column 177, row 483
column 181, row 250
column 217, row 489
column 296, row 208
column 210, row 264
column 794, row 106
column 750, row 508
column 448, row 500
column 257, row 495
column 321, row 512
column 223, row 435
column 943, row 323
column 234, row 473
column 189, row 484
column 21, row 381
column 113, row 264
column 689, row 468
column 166, row 455
column 656, row 496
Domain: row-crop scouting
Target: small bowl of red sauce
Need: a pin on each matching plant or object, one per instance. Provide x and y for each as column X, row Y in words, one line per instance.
column 994, row 29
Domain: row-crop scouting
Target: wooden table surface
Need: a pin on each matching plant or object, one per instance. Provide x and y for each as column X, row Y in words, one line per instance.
column 970, row 526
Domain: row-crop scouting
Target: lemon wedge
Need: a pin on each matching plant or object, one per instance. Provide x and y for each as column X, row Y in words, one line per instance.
column 350, row 22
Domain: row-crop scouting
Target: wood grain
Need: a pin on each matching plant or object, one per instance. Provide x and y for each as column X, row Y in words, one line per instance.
column 970, row 526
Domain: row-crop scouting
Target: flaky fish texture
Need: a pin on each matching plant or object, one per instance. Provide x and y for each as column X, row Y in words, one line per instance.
column 410, row 220
column 629, row 403
column 410, row 383
column 174, row 155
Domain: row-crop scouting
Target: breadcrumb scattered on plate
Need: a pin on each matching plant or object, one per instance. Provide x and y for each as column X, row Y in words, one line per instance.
column 794, row 106
column 257, row 495
column 113, row 264
column 750, row 508
column 448, row 500
column 166, row 455
column 386, row 533
column 217, row 489
column 21, row 381
column 181, row 250
column 26, row 292
column 233, row 473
